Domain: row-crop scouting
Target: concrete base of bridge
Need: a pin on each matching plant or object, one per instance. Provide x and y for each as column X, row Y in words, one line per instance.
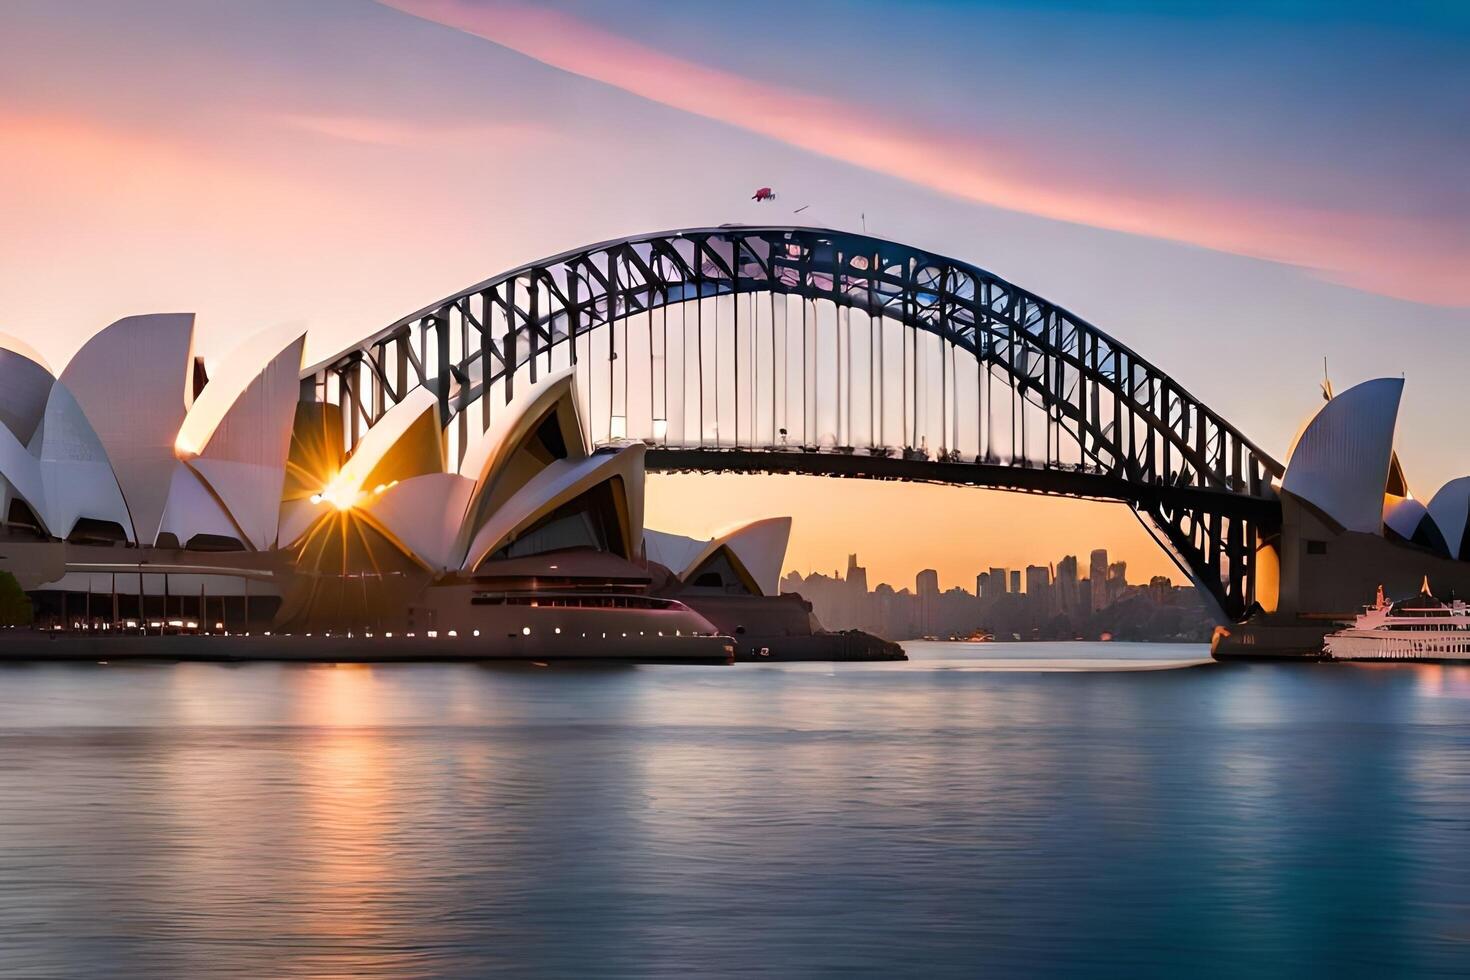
column 1270, row 638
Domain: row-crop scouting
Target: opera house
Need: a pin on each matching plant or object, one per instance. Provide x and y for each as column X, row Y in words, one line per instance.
column 141, row 496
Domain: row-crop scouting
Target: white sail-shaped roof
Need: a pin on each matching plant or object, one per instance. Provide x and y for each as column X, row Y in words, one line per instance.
column 133, row 383
column 1403, row 515
column 1449, row 509
column 314, row 459
column 22, row 473
column 422, row 514
column 75, row 468
column 414, row 418
column 25, row 384
column 15, row 345
column 193, row 510
column 250, row 494
column 559, row 483
column 500, row 459
column 404, row 445
column 759, row 547
column 246, row 391
column 676, row 552
column 297, row 517
column 238, row 432
column 1341, row 461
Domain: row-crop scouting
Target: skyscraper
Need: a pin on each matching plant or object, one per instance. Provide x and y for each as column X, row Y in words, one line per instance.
column 1064, row 586
column 982, row 585
column 998, row 581
column 1117, row 581
column 927, row 585
column 853, row 602
column 1038, row 589
column 1016, row 580
column 1098, row 573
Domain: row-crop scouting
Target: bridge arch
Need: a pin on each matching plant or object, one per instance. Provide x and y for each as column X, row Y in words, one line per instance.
column 815, row 351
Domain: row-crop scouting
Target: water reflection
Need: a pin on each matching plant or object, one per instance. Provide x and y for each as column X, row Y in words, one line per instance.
column 196, row 820
column 1441, row 680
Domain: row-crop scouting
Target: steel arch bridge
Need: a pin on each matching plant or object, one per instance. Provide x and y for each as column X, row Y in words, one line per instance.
column 799, row 350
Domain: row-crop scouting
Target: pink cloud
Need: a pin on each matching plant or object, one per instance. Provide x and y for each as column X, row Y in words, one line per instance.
column 1363, row 249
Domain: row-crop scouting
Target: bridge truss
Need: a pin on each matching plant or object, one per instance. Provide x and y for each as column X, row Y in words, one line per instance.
column 765, row 349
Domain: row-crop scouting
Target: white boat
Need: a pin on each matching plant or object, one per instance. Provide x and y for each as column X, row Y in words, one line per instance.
column 1420, row 628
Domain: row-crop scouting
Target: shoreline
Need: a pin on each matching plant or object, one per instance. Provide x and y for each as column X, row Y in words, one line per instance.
column 27, row 646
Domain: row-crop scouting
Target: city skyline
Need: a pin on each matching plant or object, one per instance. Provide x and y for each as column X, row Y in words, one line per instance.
column 1055, row 567
column 1048, row 601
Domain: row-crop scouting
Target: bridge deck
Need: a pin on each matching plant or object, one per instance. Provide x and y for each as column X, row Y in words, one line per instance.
column 1012, row 476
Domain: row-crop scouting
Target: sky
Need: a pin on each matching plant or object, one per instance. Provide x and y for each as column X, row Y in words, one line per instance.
column 1236, row 190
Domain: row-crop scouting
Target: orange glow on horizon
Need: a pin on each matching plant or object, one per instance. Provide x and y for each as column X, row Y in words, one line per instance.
column 899, row 529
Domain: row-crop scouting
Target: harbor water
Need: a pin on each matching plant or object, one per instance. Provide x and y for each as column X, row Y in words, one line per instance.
column 981, row 810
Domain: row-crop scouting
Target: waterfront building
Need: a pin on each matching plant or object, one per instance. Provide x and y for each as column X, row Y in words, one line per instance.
column 1016, row 581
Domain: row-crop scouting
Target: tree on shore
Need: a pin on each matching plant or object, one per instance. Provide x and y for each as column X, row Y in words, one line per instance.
column 15, row 605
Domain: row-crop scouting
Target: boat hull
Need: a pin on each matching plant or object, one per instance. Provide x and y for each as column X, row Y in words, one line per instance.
column 1380, row 645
